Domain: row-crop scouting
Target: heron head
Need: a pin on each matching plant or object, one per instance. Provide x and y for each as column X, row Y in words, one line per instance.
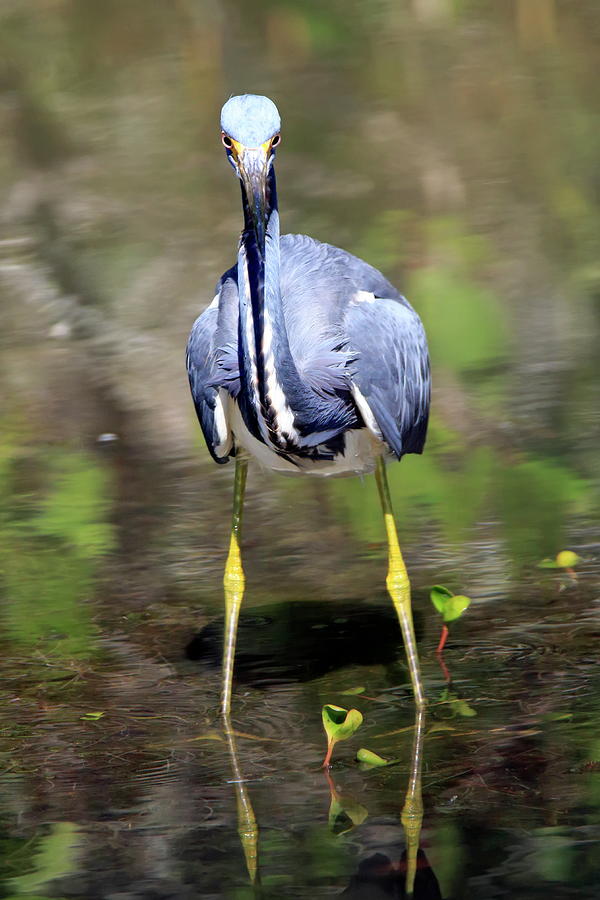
column 250, row 133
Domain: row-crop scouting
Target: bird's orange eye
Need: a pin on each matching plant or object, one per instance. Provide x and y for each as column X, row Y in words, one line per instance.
column 227, row 142
column 276, row 140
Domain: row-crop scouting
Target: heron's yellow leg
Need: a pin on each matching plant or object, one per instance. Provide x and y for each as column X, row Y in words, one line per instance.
column 412, row 813
column 233, row 582
column 398, row 585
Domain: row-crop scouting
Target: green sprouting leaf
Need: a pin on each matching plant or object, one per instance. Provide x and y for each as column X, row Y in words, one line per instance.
column 92, row 716
column 566, row 559
column 455, row 607
column 370, row 760
column 352, row 692
column 340, row 723
column 451, row 606
column 439, row 597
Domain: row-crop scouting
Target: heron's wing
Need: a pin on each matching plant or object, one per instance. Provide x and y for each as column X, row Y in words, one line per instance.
column 391, row 371
column 315, row 288
column 318, row 282
column 350, row 329
column 212, row 366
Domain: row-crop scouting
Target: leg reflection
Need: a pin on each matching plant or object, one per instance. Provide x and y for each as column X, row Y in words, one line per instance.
column 247, row 826
column 412, row 812
column 396, row 867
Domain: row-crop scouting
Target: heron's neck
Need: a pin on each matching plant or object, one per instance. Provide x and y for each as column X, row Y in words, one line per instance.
column 269, row 375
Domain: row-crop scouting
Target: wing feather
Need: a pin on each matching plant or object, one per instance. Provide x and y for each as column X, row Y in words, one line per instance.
column 391, row 369
column 212, row 366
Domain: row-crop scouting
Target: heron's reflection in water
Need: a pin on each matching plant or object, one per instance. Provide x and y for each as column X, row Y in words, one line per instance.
column 246, row 820
column 390, row 868
column 380, row 877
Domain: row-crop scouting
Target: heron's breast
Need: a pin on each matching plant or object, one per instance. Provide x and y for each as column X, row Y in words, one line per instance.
column 358, row 453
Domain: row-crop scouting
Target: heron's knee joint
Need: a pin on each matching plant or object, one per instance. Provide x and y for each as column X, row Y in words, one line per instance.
column 234, row 579
column 398, row 585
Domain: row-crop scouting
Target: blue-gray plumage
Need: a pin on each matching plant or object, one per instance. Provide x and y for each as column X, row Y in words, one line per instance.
column 325, row 346
column 307, row 359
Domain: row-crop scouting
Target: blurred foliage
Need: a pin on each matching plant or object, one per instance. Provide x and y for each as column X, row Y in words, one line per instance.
column 465, row 322
column 75, row 506
column 554, row 859
column 44, row 600
column 54, row 530
column 534, row 499
column 51, row 856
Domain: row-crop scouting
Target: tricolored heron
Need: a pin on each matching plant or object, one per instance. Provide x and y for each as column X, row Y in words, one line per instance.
column 307, row 359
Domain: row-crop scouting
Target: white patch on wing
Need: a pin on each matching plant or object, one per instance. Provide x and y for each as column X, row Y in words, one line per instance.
column 366, row 411
column 214, row 304
column 221, row 425
column 364, row 297
column 283, row 415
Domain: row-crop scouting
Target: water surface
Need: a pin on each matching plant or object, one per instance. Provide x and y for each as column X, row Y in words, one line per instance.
column 455, row 146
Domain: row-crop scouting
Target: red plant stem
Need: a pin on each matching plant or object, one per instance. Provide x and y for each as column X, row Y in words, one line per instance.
column 444, row 668
column 440, row 658
column 330, row 784
column 327, row 755
column 443, row 640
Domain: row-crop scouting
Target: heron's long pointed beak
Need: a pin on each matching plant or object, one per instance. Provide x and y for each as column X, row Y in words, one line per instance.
column 253, row 166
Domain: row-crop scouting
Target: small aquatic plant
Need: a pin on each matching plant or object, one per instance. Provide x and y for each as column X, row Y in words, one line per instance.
column 339, row 724
column 566, row 560
column 367, row 759
column 456, row 704
column 450, row 606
